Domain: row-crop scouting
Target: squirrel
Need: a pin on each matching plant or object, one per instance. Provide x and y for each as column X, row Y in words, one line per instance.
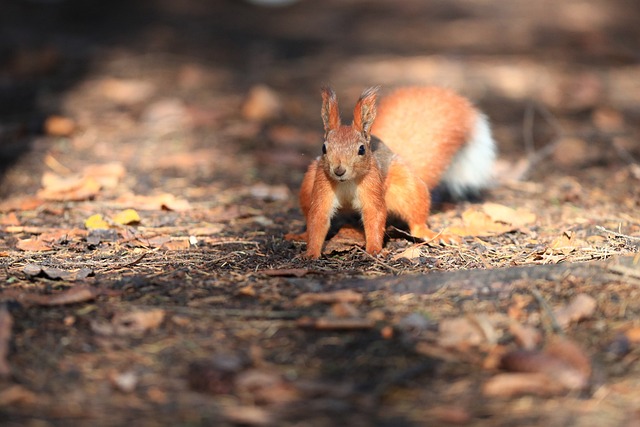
column 391, row 157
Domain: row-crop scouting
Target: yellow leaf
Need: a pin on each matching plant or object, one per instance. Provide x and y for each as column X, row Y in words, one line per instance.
column 95, row 222
column 127, row 216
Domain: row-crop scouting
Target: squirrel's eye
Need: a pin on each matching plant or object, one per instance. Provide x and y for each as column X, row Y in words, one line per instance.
column 324, row 148
column 361, row 150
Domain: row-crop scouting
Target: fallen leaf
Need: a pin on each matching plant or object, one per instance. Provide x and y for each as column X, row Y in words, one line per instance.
column 580, row 307
column 562, row 361
column 479, row 224
column 248, row 415
column 335, row 323
column 344, row 310
column 516, row 217
column 70, row 296
column 516, row 384
column 108, row 175
column 59, row 126
column 412, row 252
column 72, row 188
column 32, row 244
column 346, row 238
column 126, row 92
column 345, row 295
column 6, row 324
column 176, row 244
column 96, row 222
column 126, row 217
column 20, row 203
column 16, row 394
column 158, row 202
column 633, row 334
column 10, row 219
column 34, row 270
column 132, row 323
column 460, row 333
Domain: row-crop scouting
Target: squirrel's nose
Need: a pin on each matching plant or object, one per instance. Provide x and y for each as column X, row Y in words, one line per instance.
column 339, row 171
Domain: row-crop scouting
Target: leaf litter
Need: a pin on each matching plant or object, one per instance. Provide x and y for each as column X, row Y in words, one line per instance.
column 207, row 272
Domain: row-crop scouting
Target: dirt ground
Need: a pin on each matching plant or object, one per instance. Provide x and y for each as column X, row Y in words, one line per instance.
column 150, row 158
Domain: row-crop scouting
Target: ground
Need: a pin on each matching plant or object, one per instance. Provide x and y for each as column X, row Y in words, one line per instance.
column 152, row 271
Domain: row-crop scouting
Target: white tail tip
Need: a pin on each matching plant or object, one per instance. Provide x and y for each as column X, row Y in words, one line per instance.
column 472, row 167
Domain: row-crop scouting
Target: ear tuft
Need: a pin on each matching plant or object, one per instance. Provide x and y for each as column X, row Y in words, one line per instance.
column 365, row 112
column 330, row 112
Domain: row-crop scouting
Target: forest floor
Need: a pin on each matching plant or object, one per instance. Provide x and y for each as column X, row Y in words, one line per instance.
column 150, row 268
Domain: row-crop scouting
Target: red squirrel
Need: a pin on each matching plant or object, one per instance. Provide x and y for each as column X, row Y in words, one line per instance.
column 390, row 158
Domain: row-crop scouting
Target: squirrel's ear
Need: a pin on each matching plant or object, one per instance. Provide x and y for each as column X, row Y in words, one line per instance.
column 365, row 112
column 330, row 112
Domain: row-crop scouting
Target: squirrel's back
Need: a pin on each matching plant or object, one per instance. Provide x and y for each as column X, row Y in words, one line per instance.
column 440, row 135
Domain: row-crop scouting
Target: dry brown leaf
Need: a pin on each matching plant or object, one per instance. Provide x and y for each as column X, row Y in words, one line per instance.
column 34, row 270
column 345, row 295
column 32, row 244
column 6, row 325
column 412, row 252
column 209, row 230
column 633, row 334
column 125, row 92
column 582, row 306
column 107, row 174
column 344, row 310
column 132, row 323
column 562, row 361
column 518, row 218
column 335, row 323
column 20, row 203
column 70, row 296
column 59, row 126
column 248, row 415
column 158, row 202
column 10, row 219
column 479, row 224
column 571, row 353
column 16, row 394
column 73, row 188
column 176, row 244
column 346, row 238
column 460, row 333
column 516, row 384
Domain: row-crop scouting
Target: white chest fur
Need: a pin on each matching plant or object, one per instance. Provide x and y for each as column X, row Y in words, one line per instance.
column 347, row 196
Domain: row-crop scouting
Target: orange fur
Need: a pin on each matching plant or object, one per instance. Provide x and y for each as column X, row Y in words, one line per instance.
column 424, row 127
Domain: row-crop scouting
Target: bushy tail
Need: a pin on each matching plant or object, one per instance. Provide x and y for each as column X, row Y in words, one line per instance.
column 471, row 170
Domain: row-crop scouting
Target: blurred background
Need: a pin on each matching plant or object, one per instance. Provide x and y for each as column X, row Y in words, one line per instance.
column 224, row 93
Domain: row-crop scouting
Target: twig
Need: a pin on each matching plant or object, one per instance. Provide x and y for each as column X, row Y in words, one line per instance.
column 555, row 326
column 134, row 262
column 615, row 233
column 378, row 261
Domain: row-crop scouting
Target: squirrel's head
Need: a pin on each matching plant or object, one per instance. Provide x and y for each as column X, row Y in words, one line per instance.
column 346, row 151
